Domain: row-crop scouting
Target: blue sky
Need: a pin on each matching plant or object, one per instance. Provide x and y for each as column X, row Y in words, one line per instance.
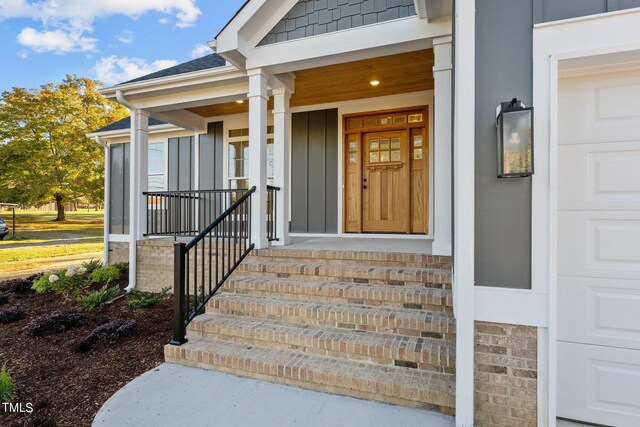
column 112, row 40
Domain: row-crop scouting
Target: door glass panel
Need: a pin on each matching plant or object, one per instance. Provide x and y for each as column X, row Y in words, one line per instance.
column 395, row 156
column 385, row 121
column 355, row 123
column 373, row 157
column 397, row 120
column 417, row 141
column 415, row 118
column 395, row 143
column 352, row 158
column 384, row 156
column 370, row 122
column 384, row 144
column 373, row 145
column 417, row 154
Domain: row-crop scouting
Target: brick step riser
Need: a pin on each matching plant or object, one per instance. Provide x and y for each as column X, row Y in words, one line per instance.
column 243, row 271
column 373, row 263
column 354, row 387
column 338, row 319
column 354, row 256
column 438, row 307
column 443, row 363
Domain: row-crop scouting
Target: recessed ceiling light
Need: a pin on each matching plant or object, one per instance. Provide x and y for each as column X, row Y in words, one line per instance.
column 374, row 82
column 240, row 101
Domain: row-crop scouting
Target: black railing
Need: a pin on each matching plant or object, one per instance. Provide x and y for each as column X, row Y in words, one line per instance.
column 203, row 265
column 186, row 213
column 272, row 212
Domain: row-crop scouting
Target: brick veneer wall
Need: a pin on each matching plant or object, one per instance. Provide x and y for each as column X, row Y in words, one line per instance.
column 118, row 252
column 505, row 375
column 155, row 263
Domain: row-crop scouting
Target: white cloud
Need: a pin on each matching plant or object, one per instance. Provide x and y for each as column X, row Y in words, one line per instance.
column 200, row 50
column 65, row 23
column 126, row 37
column 57, row 41
column 164, row 21
column 114, row 69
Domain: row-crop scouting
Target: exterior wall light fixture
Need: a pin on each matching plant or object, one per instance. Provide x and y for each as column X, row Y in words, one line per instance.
column 514, row 125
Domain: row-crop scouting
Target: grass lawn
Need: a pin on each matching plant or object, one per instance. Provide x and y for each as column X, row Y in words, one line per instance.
column 40, row 241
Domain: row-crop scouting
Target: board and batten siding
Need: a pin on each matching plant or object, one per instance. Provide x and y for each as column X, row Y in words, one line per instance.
column 314, row 172
column 211, row 158
column 504, row 70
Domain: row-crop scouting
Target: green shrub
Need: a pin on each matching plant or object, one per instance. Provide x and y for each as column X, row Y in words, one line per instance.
column 68, row 283
column 42, row 284
column 123, row 267
column 6, row 385
column 105, row 275
column 145, row 301
column 91, row 266
column 97, row 298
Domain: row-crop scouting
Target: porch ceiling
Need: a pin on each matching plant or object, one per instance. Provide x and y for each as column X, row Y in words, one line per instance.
column 400, row 73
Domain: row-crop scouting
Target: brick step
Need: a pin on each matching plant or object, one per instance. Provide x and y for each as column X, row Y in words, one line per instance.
column 412, row 352
column 359, row 317
column 381, row 259
column 390, row 384
column 419, row 277
column 432, row 299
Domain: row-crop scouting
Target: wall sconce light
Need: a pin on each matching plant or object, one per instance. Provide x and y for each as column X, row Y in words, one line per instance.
column 514, row 125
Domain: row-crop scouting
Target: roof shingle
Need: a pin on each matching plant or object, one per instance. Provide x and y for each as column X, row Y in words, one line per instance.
column 210, row 61
column 126, row 124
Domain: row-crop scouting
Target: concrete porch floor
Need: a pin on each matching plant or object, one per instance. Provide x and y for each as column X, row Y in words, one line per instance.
column 175, row 395
column 361, row 244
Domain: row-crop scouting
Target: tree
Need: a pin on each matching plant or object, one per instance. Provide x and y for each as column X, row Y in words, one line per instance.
column 44, row 153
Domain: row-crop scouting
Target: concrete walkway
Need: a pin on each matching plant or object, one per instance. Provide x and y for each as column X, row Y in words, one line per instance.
column 174, row 395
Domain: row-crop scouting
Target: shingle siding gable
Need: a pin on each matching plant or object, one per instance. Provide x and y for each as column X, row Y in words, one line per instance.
column 313, row 17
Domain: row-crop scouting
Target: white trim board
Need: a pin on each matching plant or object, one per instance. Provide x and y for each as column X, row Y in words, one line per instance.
column 512, row 306
column 554, row 43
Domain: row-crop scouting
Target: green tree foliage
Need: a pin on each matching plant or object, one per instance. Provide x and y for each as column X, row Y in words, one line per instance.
column 44, row 152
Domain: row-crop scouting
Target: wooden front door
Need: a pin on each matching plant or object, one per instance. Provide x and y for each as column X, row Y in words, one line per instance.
column 386, row 182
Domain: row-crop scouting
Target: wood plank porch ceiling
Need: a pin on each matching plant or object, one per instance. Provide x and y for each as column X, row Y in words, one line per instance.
column 400, row 73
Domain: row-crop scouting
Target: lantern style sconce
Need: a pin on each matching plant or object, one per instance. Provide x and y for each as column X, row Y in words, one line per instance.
column 514, row 124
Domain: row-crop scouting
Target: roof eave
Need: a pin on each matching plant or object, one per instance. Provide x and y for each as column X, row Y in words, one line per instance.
column 170, row 82
column 166, row 127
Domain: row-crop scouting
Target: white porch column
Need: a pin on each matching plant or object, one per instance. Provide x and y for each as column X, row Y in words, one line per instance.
column 464, row 193
column 281, row 160
column 258, row 156
column 138, row 171
column 442, row 146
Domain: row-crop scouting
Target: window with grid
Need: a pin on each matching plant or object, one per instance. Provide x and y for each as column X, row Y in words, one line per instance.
column 238, row 167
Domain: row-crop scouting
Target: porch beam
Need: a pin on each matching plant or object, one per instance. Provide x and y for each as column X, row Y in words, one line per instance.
column 138, row 184
column 184, row 119
column 442, row 232
column 258, row 96
column 281, row 160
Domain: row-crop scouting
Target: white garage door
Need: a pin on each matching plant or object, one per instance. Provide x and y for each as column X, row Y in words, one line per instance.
column 599, row 248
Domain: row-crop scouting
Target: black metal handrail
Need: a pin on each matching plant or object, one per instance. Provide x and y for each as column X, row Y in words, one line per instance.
column 272, row 213
column 186, row 213
column 223, row 245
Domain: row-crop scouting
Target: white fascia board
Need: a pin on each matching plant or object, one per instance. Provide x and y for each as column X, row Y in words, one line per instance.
column 352, row 43
column 194, row 96
column 228, row 40
column 126, row 132
column 263, row 22
column 218, row 74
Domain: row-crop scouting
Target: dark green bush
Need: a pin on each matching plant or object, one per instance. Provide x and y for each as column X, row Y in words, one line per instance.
column 97, row 298
column 145, row 301
column 123, row 267
column 91, row 266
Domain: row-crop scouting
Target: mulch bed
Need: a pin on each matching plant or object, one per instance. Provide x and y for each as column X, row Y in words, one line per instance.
column 67, row 386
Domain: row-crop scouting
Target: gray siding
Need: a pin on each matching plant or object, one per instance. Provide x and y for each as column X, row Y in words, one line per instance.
column 210, row 162
column 504, row 38
column 314, row 180
column 119, row 189
column 313, row 17
column 181, row 164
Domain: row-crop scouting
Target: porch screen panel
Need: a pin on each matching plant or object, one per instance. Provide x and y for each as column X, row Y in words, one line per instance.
column 314, row 180
column 119, row 189
column 210, row 171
